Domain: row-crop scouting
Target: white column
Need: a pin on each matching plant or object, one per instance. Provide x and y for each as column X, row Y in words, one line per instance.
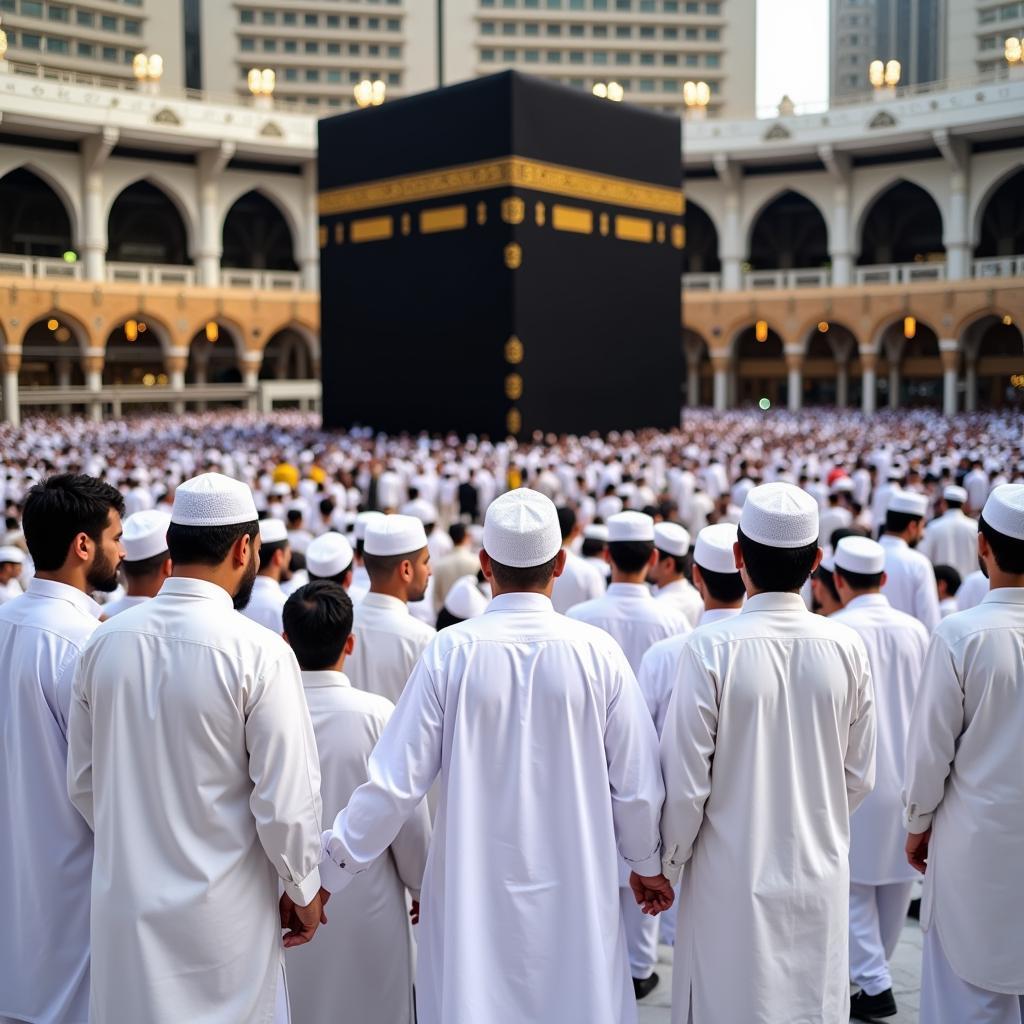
column 92, row 364
column 794, row 377
column 250, row 365
column 732, row 250
column 95, row 150
column 12, row 404
column 64, row 381
column 894, row 385
column 957, row 235
column 842, row 384
column 693, row 383
column 971, row 380
column 950, row 355
column 309, row 243
column 868, row 385
column 720, row 365
column 840, row 244
column 209, row 246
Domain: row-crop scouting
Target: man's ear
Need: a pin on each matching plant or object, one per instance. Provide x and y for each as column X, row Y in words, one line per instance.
column 485, row 565
column 241, row 550
column 737, row 554
column 350, row 644
column 560, row 560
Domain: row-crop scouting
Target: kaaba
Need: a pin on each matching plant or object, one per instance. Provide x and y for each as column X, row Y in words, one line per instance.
column 500, row 257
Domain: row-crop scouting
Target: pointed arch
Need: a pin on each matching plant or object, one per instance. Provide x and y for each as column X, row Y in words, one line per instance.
column 901, row 223
column 142, row 208
column 788, row 231
column 998, row 223
column 36, row 197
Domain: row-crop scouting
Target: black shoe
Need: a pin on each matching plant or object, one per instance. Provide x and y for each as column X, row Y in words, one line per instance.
column 644, row 986
column 869, row 1008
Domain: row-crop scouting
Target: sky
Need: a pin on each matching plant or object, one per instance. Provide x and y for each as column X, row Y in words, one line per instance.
column 792, row 54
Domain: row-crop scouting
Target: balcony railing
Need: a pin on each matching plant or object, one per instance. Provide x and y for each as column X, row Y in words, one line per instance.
column 38, row 266
column 807, row 278
column 702, row 282
column 899, row 273
column 262, row 280
column 999, row 266
column 150, row 273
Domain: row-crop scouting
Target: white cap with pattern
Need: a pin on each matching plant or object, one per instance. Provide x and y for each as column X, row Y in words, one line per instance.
column 464, row 599
column 672, row 538
column 861, row 555
column 909, row 502
column 780, row 515
column 521, row 529
column 273, row 531
column 1004, row 510
column 713, row 550
column 627, row 526
column 212, row 499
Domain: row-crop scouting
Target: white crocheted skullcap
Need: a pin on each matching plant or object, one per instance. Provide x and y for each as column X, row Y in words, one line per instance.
column 1004, row 510
column 861, row 555
column 672, row 538
column 521, row 529
column 394, row 535
column 212, row 499
column 780, row 515
column 596, row 531
column 273, row 531
column 144, row 534
column 328, row 555
column 713, row 550
column 955, row 493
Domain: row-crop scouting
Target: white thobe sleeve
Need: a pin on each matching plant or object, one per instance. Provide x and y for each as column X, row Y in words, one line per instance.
column 637, row 790
column 285, row 770
column 79, row 768
column 410, row 849
column 404, row 763
column 860, row 744
column 926, row 601
column 651, row 686
column 935, row 726
column 687, row 747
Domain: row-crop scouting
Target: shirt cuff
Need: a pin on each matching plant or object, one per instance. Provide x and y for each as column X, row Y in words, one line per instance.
column 649, row 867
column 302, row 893
column 917, row 823
column 333, row 874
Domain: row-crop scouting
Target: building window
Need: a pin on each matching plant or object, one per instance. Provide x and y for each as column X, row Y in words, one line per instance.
column 647, row 58
column 268, row 17
column 373, row 24
column 575, row 5
column 394, row 25
column 531, row 56
column 531, row 29
column 554, row 5
column 1008, row 11
column 647, row 85
column 108, row 23
column 600, row 32
column 248, row 45
column 692, row 7
column 312, row 74
column 289, row 18
column 291, row 46
column 647, row 32
column 508, row 55
column 669, row 85
column 576, row 57
column 394, row 78
column 85, row 18
column 353, row 22
column 334, row 49
column 31, row 41
column 647, row 6
column 311, row 21
column 395, row 52
column 670, row 33
column 487, row 28
column 692, row 33
column 86, row 50
column 270, row 46
column 487, row 56
column 55, row 13
column 988, row 43
column 56, row 45
column 692, row 60
column 354, row 76
column 247, row 17
column 600, row 5
column 712, row 60
column 373, row 50
column 31, row 9
column 712, row 34
column 333, row 21
column 554, row 57
column 623, row 5
column 311, row 46
column 554, row 30
column 291, row 74
column 623, row 58
column 623, row 31
column 599, row 57
column 712, row 8
column 354, row 49
column 671, row 6
column 508, row 28
column 670, row 59
column 576, row 31
column 110, row 54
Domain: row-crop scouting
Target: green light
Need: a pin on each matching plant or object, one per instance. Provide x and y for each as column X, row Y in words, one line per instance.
column 70, row 256
column 765, row 404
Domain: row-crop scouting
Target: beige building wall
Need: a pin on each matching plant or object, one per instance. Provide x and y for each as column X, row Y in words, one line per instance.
column 977, row 34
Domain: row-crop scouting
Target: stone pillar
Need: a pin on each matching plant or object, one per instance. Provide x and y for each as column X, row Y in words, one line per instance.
column 950, row 355
column 957, row 235
column 64, row 381
column 868, row 364
column 95, row 150
column 209, row 246
column 731, row 243
column 10, row 362
column 720, row 366
column 840, row 243
column 693, row 383
column 842, row 384
column 175, row 362
column 894, row 384
column 795, row 377
column 971, row 380
column 92, row 367
column 309, row 243
column 249, row 365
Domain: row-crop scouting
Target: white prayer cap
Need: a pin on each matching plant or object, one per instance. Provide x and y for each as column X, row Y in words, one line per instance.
column 328, row 555
column 144, row 535
column 909, row 502
column 363, row 519
column 298, row 505
column 713, row 550
column 1004, row 510
column 625, row 526
column 828, row 563
column 860, row 554
column 464, row 599
column 394, row 535
column 9, row 553
column 780, row 515
column 281, row 489
column 521, row 529
column 421, row 509
column 273, row 531
column 596, row 531
column 212, row 499
column 672, row 539
column 954, row 493
column 842, row 485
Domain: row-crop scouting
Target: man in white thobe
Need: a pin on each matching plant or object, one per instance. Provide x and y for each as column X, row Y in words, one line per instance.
column 12, row 564
column 363, row 962
column 580, row 581
column 360, row 585
column 72, row 527
column 146, row 562
column 779, row 700
column 668, row 573
column 952, row 538
column 191, row 756
column 721, row 588
column 548, row 767
column 388, row 638
column 881, row 881
column 330, row 557
column 910, row 579
column 629, row 613
column 266, row 602
column 964, row 792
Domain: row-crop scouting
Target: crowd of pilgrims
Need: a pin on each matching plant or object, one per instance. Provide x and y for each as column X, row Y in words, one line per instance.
column 509, row 714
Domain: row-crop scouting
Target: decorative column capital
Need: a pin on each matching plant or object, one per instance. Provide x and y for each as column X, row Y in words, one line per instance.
column 10, row 360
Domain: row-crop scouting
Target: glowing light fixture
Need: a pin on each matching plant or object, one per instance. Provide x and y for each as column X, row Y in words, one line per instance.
column 823, row 327
column 764, row 404
column 71, row 256
column 909, row 327
column 761, row 331
column 3, row 43
column 212, row 331
column 52, row 324
column 369, row 93
column 696, row 94
column 148, row 67
column 262, row 81
column 1013, row 50
column 884, row 73
column 131, row 330
column 1008, row 320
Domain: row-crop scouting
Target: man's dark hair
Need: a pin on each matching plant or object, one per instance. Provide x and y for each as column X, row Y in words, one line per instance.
column 382, row 566
column 446, row 619
column 144, row 566
column 60, row 508
column 778, row 570
column 827, row 580
column 630, row 555
column 840, row 532
column 726, row 587
column 294, row 516
column 267, row 552
column 953, row 503
column 206, row 545
column 860, row 580
column 566, row 520
column 593, row 547
column 533, row 577
column 678, row 561
column 897, row 522
column 948, row 575
column 318, row 620
column 457, row 532
column 326, row 507
column 1007, row 551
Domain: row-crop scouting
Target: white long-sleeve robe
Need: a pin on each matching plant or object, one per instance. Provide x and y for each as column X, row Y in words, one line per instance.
column 45, row 847
column 911, row 586
column 266, row 606
column 965, row 780
column 192, row 756
column 780, row 701
column 896, row 644
column 548, row 765
column 362, row 960
column 683, row 597
column 952, row 539
column 580, row 581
